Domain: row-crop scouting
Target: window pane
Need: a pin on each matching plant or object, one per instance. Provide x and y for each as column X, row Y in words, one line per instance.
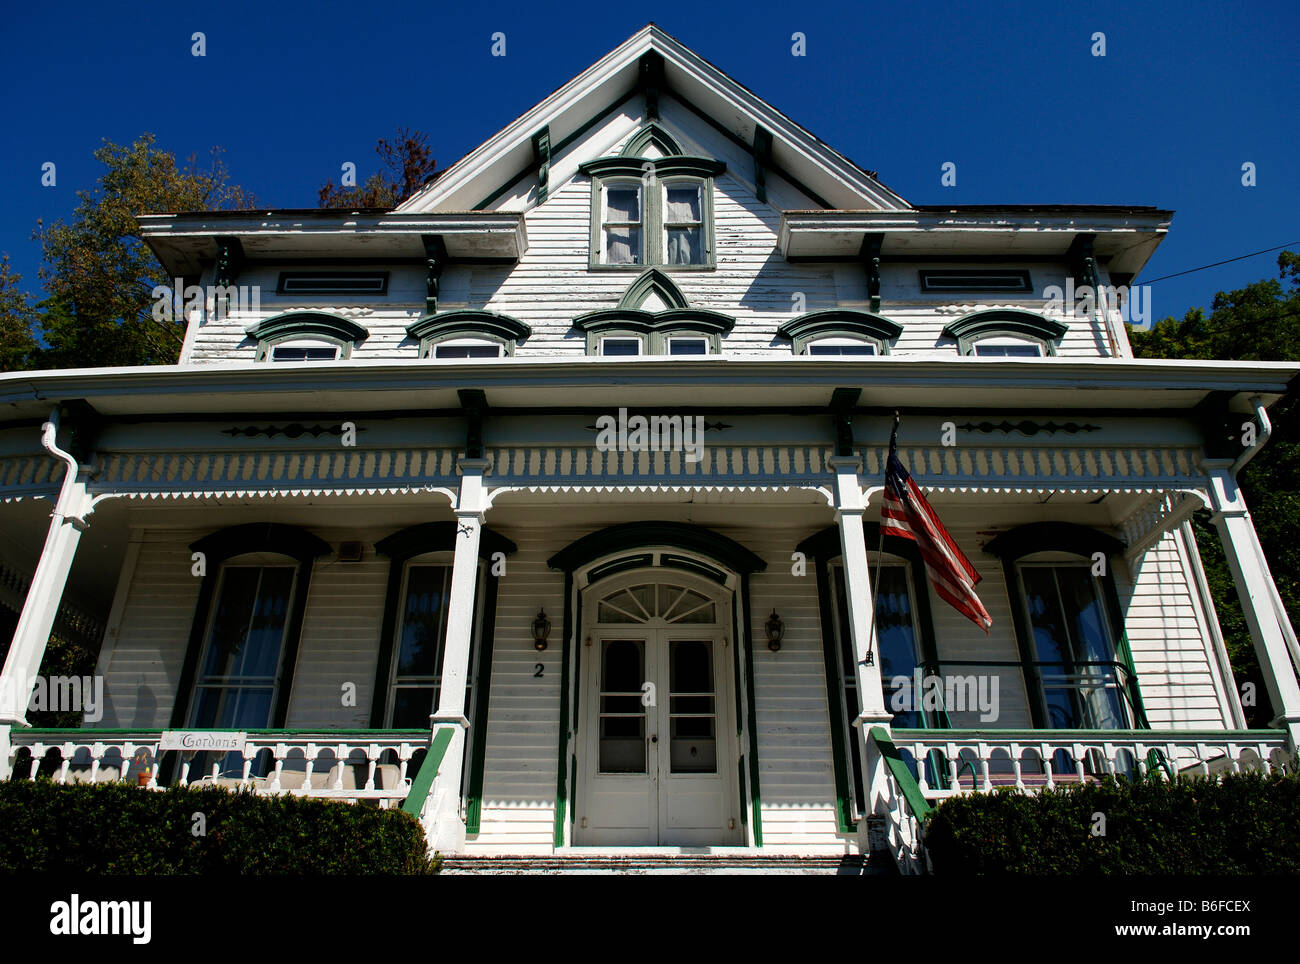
column 1051, row 644
column 622, row 716
column 692, row 737
column 622, row 205
column 622, row 245
column 688, row 346
column 1098, row 685
column 466, row 351
column 288, row 353
column 620, row 346
column 423, row 620
column 412, row 707
column 242, row 658
column 685, row 246
column 1008, row 351
column 683, row 205
column 823, row 349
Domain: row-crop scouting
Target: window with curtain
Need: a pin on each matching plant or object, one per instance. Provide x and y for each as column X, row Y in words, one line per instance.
column 683, row 222
column 240, row 666
column 1075, row 645
column 622, row 223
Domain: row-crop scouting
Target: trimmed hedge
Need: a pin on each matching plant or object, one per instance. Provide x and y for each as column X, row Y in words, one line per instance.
column 1240, row 824
column 114, row 828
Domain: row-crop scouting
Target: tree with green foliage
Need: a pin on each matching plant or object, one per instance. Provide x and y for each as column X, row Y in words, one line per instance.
column 406, row 164
column 1260, row 322
column 17, row 345
column 99, row 275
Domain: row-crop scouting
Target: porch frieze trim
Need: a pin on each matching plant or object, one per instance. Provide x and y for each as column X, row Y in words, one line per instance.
column 398, row 469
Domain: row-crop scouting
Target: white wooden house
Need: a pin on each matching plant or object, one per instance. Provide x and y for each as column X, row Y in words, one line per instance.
column 369, row 528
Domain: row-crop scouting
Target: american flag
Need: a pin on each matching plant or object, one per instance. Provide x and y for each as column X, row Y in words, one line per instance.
column 906, row 513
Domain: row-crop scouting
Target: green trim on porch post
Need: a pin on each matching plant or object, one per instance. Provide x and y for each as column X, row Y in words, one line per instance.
column 562, row 774
column 756, row 798
column 482, row 691
column 423, row 781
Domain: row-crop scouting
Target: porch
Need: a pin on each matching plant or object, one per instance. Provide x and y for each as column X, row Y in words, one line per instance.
column 756, row 530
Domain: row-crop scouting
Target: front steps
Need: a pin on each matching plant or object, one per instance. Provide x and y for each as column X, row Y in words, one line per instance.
column 852, row 865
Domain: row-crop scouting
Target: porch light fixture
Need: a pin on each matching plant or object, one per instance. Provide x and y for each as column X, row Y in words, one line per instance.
column 541, row 629
column 775, row 630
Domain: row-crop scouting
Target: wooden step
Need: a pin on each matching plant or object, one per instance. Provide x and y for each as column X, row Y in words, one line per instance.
column 852, row 865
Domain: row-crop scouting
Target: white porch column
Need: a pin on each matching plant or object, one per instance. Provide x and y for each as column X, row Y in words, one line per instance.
column 1254, row 588
column 32, row 633
column 442, row 814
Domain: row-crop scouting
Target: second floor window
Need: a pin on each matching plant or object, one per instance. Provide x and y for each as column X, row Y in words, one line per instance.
column 652, row 212
column 622, row 227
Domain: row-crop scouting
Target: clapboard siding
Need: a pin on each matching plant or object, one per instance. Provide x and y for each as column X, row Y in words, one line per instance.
column 1170, row 642
column 144, row 663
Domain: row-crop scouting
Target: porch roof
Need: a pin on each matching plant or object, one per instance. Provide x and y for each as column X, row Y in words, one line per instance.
column 712, row 383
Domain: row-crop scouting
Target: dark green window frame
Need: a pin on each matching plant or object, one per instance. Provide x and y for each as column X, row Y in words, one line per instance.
column 1005, row 323
column 432, row 330
column 302, row 325
column 863, row 326
column 1012, row 548
column 652, row 175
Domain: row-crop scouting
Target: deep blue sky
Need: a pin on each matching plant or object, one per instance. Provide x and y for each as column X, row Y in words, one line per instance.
column 1008, row 91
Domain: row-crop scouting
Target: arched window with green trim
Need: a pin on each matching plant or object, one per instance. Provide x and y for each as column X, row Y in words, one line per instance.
column 840, row 331
column 1005, row 333
column 305, row 336
column 467, row 333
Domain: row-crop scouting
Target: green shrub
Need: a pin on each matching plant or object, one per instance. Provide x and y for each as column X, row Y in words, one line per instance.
column 114, row 828
column 1241, row 824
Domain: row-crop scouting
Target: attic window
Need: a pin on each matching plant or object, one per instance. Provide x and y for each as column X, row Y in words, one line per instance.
column 305, row 336
column 975, row 279
column 333, row 283
column 840, row 331
column 1006, row 333
column 467, row 333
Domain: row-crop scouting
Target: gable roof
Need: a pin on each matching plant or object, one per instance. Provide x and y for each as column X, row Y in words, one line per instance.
column 794, row 153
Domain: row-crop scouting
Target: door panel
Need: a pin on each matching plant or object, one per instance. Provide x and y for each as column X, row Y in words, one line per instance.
column 622, row 802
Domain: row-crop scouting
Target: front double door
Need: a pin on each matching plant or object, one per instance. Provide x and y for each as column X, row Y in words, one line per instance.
column 659, row 762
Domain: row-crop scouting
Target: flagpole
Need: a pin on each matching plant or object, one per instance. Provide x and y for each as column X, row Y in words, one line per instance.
column 880, row 548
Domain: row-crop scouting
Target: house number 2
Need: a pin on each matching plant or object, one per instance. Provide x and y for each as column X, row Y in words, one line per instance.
column 538, row 674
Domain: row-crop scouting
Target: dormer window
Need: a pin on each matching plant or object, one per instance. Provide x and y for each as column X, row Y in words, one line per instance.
column 1005, row 333
column 845, row 332
column 687, row 345
column 652, row 211
column 303, row 336
column 467, row 333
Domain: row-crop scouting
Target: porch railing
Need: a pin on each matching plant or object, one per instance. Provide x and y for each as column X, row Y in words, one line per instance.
column 967, row 761
column 911, row 771
column 375, row 765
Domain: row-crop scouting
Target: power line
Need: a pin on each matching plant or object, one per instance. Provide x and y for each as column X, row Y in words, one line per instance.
column 1253, row 254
